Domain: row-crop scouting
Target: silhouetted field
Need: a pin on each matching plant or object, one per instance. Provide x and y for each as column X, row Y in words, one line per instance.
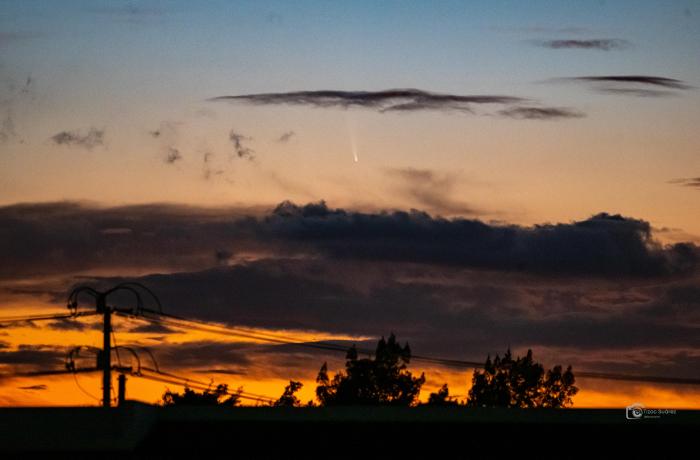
column 139, row 430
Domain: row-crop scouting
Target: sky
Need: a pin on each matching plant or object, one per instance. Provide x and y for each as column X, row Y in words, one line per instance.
column 471, row 176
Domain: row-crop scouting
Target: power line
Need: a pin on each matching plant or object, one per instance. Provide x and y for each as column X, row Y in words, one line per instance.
column 185, row 382
column 223, row 330
column 197, row 382
column 203, row 326
column 80, row 387
column 46, row 372
column 21, row 319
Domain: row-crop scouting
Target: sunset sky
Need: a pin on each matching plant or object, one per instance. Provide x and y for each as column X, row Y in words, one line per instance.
column 467, row 175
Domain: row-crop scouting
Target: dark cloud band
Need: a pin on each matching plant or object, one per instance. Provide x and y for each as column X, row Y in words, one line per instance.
column 61, row 238
column 385, row 101
column 630, row 85
column 603, row 44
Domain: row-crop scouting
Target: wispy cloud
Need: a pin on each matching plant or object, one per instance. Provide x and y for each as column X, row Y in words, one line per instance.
column 173, row 155
column 630, row 85
column 40, row 387
column 405, row 100
column 383, row 101
column 93, row 138
column 286, row 137
column 7, row 129
column 687, row 182
column 540, row 113
column 601, row 44
column 635, row 79
column 430, row 190
column 241, row 150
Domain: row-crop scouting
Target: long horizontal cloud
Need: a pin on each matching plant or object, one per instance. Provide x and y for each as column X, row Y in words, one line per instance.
column 60, row 238
column 540, row 113
column 602, row 44
column 602, row 245
column 385, row 101
column 467, row 318
column 687, row 182
column 632, row 85
column 402, row 100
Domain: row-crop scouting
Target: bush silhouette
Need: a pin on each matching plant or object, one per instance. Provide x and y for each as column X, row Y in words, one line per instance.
column 288, row 398
column 521, row 382
column 383, row 380
column 209, row 397
column 442, row 398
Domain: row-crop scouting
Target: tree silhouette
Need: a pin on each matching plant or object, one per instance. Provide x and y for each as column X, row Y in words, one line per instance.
column 209, row 397
column 521, row 382
column 442, row 398
column 383, row 380
column 288, row 398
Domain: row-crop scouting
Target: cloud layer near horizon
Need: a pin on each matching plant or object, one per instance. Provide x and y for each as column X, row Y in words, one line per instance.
column 42, row 239
column 587, row 291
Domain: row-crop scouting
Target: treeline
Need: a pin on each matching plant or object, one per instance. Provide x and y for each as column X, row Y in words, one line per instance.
column 384, row 380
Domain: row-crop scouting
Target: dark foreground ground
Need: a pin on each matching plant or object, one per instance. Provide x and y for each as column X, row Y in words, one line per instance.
column 141, row 431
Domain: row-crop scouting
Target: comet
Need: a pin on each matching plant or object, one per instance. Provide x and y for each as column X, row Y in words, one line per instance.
column 353, row 144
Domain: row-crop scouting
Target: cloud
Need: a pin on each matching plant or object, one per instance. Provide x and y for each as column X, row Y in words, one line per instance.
column 540, row 113
column 591, row 290
column 40, row 356
column 60, row 238
column 67, row 325
column 173, row 155
column 151, row 328
column 602, row 245
column 63, row 237
column 203, row 353
column 462, row 315
column 631, row 85
column 403, row 100
column 602, row 44
column 430, row 190
column 693, row 182
column 39, row 387
column 7, row 129
column 93, row 138
column 286, row 137
column 241, row 150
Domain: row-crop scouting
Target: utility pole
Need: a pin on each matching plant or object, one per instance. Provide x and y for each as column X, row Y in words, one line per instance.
column 122, row 390
column 104, row 356
column 106, row 360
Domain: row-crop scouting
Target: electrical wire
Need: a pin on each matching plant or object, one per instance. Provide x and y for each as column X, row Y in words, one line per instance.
column 216, row 329
column 202, row 326
column 45, row 373
column 184, row 382
column 199, row 382
column 21, row 319
column 80, row 387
